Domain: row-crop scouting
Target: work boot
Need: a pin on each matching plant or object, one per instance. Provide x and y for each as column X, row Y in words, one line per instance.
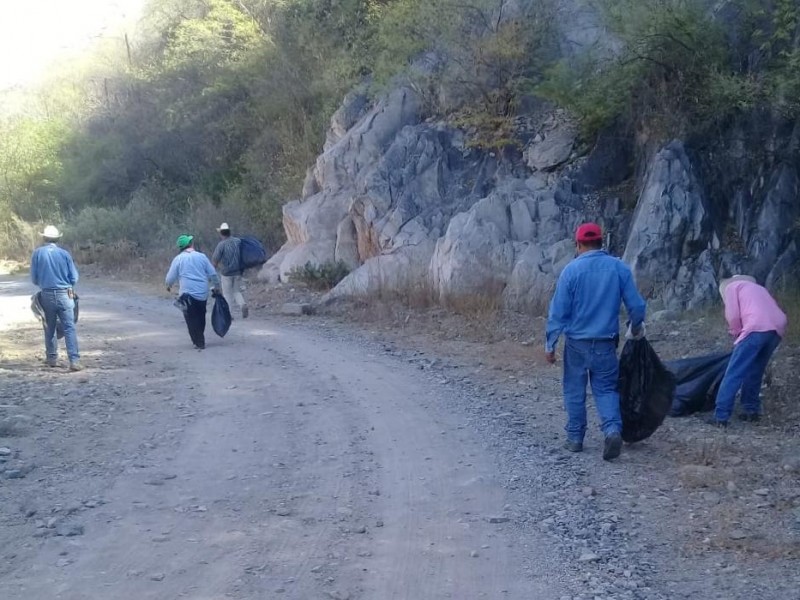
column 714, row 422
column 749, row 417
column 612, row 446
column 573, row 446
column 75, row 366
column 245, row 311
column 51, row 362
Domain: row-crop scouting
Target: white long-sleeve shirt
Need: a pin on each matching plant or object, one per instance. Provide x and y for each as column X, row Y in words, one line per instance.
column 193, row 270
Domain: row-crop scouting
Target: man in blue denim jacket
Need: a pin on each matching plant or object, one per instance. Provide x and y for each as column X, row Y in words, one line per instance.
column 53, row 270
column 585, row 308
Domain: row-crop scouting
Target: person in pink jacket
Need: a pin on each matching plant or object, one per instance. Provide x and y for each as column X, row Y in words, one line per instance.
column 757, row 325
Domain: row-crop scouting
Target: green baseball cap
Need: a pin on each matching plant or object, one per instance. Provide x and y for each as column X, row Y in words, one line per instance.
column 184, row 241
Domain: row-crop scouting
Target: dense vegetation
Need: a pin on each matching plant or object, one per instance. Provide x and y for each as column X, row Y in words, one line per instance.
column 683, row 64
column 214, row 109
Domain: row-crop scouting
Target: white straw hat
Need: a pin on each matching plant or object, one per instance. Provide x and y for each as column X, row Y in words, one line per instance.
column 223, row 227
column 51, row 233
column 726, row 282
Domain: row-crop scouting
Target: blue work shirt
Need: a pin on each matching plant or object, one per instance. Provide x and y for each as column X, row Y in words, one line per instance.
column 193, row 270
column 587, row 299
column 52, row 268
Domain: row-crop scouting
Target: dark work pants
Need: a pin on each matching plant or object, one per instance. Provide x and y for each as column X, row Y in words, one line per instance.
column 195, row 315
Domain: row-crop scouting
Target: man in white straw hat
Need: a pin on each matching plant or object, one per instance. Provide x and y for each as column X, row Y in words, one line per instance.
column 227, row 260
column 54, row 272
column 757, row 324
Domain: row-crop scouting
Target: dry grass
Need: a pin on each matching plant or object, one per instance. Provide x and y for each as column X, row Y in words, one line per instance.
column 475, row 318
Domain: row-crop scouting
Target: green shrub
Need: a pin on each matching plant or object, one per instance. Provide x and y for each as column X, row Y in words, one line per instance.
column 17, row 238
column 325, row 276
column 678, row 68
column 142, row 223
column 486, row 59
column 672, row 71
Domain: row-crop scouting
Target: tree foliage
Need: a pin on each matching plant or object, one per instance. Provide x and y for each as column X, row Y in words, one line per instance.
column 223, row 104
column 681, row 64
column 477, row 58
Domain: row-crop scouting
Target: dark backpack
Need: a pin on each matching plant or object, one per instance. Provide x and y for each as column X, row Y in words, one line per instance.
column 251, row 253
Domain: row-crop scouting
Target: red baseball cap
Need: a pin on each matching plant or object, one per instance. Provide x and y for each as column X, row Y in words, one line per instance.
column 589, row 232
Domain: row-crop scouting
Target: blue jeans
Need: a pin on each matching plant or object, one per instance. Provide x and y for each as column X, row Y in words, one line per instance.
column 58, row 306
column 745, row 372
column 592, row 361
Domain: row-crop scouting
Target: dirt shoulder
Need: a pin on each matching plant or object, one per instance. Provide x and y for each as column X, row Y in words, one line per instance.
column 714, row 512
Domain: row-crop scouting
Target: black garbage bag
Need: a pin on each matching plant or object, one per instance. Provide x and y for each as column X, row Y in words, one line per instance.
column 698, row 380
column 251, row 253
column 221, row 315
column 645, row 388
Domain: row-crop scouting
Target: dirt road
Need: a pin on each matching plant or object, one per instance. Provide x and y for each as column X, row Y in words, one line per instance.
column 281, row 462
column 308, row 459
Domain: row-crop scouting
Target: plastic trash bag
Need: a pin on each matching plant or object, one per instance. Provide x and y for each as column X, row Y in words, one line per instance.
column 38, row 312
column 646, row 388
column 221, row 316
column 698, row 380
column 251, row 253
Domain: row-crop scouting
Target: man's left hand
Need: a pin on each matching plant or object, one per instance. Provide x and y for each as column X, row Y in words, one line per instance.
column 550, row 357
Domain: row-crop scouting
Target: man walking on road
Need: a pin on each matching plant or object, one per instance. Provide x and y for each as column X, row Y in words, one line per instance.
column 193, row 270
column 758, row 324
column 585, row 308
column 54, row 272
column 227, row 259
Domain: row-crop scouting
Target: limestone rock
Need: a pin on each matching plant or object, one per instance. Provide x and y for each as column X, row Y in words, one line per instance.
column 413, row 209
column 671, row 234
column 553, row 150
column 312, row 223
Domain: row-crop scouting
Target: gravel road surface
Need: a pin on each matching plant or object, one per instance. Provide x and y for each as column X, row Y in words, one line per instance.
column 278, row 463
column 307, row 459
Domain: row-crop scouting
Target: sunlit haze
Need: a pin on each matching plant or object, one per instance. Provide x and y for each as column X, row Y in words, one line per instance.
column 36, row 33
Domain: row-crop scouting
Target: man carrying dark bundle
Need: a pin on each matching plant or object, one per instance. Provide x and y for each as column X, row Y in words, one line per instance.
column 193, row 270
column 227, row 259
column 585, row 308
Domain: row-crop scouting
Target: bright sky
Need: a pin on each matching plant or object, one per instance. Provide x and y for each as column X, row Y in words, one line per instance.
column 35, row 33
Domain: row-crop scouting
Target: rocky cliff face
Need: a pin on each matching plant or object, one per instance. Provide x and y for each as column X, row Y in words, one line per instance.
column 407, row 204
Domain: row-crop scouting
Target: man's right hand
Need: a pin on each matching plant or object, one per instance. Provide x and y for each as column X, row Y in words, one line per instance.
column 550, row 357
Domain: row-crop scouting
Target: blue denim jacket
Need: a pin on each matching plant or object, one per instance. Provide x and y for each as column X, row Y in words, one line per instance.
column 52, row 268
column 588, row 296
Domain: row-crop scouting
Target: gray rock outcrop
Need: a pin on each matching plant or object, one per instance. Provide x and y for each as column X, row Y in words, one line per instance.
column 411, row 208
column 669, row 248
